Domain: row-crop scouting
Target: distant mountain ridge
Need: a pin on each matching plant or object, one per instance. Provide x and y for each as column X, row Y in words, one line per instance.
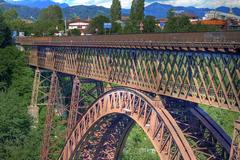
column 84, row 12
column 160, row 10
column 38, row 3
column 23, row 11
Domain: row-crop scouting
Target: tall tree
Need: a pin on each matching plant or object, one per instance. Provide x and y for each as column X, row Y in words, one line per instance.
column 116, row 10
column 50, row 21
column 136, row 17
column 137, row 10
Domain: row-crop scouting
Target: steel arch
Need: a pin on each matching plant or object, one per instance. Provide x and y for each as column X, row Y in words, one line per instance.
column 105, row 139
column 157, row 123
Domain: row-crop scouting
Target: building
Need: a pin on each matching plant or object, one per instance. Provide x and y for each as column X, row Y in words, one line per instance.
column 221, row 24
column 82, row 25
column 229, row 20
column 220, row 15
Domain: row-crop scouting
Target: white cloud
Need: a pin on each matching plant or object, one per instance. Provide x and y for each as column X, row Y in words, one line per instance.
column 127, row 3
column 204, row 3
column 105, row 3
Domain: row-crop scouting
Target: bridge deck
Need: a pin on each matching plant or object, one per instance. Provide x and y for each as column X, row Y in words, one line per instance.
column 212, row 41
column 200, row 74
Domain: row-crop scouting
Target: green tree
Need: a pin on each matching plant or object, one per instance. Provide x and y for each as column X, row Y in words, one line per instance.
column 50, row 21
column 204, row 28
column 10, row 14
column 116, row 16
column 5, row 33
column 116, row 10
column 15, row 93
column 15, row 23
column 136, row 17
column 149, row 24
column 97, row 23
column 137, row 10
column 177, row 23
column 75, row 32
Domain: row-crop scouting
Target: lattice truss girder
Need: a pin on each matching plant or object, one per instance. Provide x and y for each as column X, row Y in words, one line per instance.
column 201, row 77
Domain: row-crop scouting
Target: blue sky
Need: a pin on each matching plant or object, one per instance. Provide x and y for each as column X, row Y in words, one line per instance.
column 127, row 3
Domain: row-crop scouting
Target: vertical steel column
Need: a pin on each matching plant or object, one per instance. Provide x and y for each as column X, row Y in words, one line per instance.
column 235, row 149
column 33, row 108
column 49, row 117
column 72, row 119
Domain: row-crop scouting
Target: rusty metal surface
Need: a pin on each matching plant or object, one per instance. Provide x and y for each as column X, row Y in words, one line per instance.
column 104, row 139
column 235, row 150
column 206, row 137
column 157, row 123
column 217, row 41
column 52, row 97
column 208, row 78
column 73, row 113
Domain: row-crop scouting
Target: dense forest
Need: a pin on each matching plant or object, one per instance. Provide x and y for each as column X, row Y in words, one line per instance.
column 17, row 139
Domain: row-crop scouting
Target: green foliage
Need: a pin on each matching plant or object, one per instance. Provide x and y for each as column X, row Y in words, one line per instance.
column 116, row 10
column 5, row 33
column 116, row 28
column 136, row 17
column 75, row 32
column 97, row 23
column 30, row 148
column 131, row 27
column 116, row 16
column 149, row 24
column 224, row 118
column 137, row 10
column 15, row 93
column 182, row 23
column 12, row 66
column 204, row 28
column 138, row 146
column 15, row 23
column 50, row 21
column 10, row 14
column 177, row 23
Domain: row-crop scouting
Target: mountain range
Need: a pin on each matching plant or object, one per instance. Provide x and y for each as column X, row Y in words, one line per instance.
column 37, row 3
column 30, row 9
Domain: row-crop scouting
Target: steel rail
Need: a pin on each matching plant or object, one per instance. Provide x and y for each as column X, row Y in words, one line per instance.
column 174, row 41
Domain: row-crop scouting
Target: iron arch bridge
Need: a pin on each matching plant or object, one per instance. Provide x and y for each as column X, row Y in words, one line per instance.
column 169, row 75
column 114, row 114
